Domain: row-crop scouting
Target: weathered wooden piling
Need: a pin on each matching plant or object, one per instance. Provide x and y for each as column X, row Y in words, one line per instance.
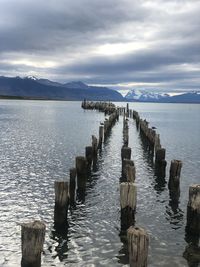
column 193, row 210
column 160, row 162
column 129, row 170
column 125, row 132
column 89, row 155
column 105, row 128
column 174, row 175
column 81, row 170
column 61, row 202
column 32, row 240
column 138, row 244
column 84, row 103
column 127, row 110
column 105, row 107
column 157, row 144
column 128, row 198
column 101, row 134
column 94, row 148
column 125, row 154
column 160, row 155
column 72, row 185
column 130, row 113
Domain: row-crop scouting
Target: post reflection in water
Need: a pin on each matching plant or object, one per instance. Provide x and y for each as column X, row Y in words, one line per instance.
column 60, row 235
column 123, row 252
column 192, row 250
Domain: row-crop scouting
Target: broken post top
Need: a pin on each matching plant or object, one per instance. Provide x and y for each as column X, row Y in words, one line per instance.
column 194, row 197
column 61, row 192
column 34, row 225
column 136, row 231
column 32, row 237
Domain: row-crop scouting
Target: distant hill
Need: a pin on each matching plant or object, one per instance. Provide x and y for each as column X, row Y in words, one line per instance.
column 31, row 87
column 147, row 96
column 193, row 97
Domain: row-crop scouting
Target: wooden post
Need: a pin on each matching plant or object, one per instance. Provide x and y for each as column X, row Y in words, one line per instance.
column 125, row 154
column 129, row 170
column 105, row 129
column 32, row 240
column 193, row 210
column 81, row 170
column 128, row 197
column 125, row 133
column 138, row 244
column 94, row 147
column 89, row 155
column 160, row 155
column 127, row 109
column 160, row 163
column 174, row 175
column 61, row 202
column 157, row 144
column 101, row 134
column 72, row 185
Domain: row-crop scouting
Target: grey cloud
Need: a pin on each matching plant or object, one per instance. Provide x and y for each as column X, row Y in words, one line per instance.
column 144, row 60
column 40, row 26
column 61, row 30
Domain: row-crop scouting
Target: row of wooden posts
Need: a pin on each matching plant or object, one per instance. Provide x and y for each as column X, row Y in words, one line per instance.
column 137, row 237
column 65, row 192
column 152, row 139
column 33, row 233
column 138, row 251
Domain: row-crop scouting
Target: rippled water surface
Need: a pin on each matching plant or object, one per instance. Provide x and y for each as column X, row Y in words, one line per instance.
column 39, row 143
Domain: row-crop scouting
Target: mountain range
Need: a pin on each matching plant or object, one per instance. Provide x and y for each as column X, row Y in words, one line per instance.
column 33, row 88
column 146, row 96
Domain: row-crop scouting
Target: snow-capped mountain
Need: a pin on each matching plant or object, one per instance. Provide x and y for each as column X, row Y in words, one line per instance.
column 31, row 77
column 145, row 96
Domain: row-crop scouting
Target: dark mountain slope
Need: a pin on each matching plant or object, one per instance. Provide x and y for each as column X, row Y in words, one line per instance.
column 33, row 88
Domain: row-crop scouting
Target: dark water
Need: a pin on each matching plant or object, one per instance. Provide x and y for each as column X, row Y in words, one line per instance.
column 39, row 143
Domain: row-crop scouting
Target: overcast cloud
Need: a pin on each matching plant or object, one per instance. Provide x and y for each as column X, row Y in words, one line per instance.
column 119, row 43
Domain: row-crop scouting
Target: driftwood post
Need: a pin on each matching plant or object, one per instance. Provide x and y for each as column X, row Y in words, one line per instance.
column 32, row 240
column 193, row 210
column 61, row 202
column 72, row 185
column 128, row 198
column 138, row 243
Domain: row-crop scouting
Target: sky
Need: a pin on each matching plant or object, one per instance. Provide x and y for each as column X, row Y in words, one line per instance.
column 122, row 44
